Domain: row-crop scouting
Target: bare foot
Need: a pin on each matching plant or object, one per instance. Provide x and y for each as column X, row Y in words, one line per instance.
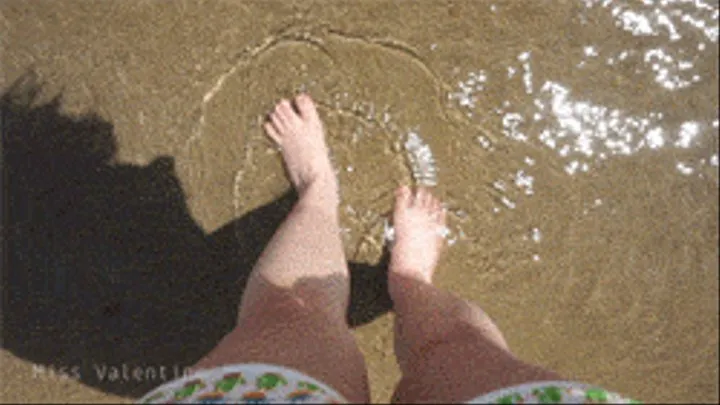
column 301, row 138
column 418, row 220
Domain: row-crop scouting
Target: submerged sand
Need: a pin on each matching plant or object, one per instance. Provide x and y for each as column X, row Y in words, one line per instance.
column 618, row 286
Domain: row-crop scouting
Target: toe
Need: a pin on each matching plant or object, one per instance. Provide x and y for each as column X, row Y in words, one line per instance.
column 272, row 132
column 419, row 197
column 425, row 198
column 402, row 196
column 278, row 121
column 438, row 211
column 442, row 217
column 414, row 199
column 431, row 202
column 307, row 108
column 286, row 112
column 436, row 206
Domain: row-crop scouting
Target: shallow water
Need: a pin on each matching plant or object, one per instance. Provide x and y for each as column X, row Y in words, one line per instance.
column 575, row 144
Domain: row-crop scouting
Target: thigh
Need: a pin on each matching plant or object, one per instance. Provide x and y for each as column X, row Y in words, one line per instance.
column 462, row 367
column 284, row 331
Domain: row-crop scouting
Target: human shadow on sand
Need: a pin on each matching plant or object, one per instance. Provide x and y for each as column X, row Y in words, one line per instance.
column 104, row 268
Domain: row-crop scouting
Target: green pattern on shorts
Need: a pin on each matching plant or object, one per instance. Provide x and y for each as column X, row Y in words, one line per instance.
column 270, row 381
column 563, row 393
column 510, row 399
column 229, row 382
column 267, row 384
column 249, row 384
column 596, row 395
column 548, row 395
column 189, row 389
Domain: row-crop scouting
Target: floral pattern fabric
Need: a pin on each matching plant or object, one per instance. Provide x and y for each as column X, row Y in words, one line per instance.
column 552, row 392
column 244, row 384
column 269, row 384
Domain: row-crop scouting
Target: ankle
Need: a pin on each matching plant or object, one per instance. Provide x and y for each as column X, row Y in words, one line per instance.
column 405, row 276
column 320, row 194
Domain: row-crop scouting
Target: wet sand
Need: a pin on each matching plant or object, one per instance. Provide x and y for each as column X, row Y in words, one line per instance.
column 606, row 273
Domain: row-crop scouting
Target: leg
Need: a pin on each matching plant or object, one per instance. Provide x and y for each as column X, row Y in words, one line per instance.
column 448, row 349
column 293, row 309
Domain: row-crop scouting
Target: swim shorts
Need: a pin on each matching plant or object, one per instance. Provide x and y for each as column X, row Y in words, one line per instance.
column 252, row 383
column 258, row 383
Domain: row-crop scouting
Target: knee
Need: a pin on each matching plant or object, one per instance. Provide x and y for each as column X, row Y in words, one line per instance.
column 316, row 295
column 463, row 346
column 475, row 324
column 271, row 312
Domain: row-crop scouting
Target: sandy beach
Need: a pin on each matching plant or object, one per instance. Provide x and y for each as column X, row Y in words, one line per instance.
column 575, row 142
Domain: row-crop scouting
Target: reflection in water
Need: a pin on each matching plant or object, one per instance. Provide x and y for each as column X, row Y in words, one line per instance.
column 465, row 96
column 673, row 21
column 662, row 18
column 527, row 72
column 583, row 132
column 525, row 182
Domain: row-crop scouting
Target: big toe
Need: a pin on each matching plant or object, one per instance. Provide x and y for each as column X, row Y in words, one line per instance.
column 307, row 108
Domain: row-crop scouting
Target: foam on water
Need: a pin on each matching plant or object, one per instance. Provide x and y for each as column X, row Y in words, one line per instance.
column 421, row 160
column 524, row 181
column 684, row 168
column 527, row 72
column 474, row 83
